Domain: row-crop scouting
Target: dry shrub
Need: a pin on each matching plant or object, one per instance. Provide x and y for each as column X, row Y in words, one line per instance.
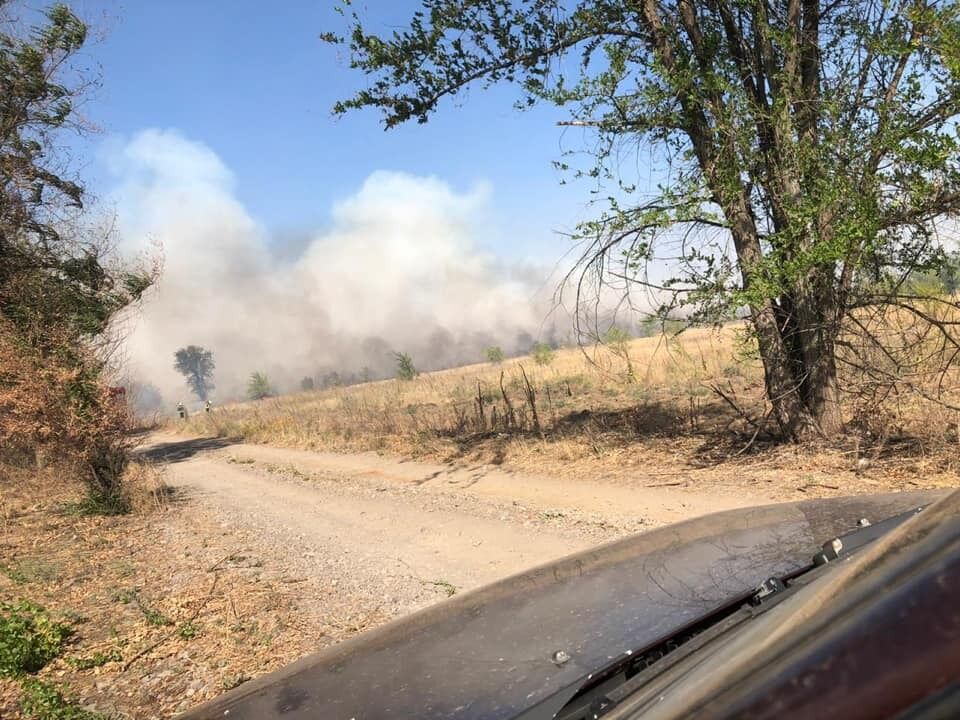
column 145, row 488
column 900, row 372
column 55, row 408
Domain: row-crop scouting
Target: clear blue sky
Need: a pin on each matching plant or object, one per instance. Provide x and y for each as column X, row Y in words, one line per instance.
column 253, row 81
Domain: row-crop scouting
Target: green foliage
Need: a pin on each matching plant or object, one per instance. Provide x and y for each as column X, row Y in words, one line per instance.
column 188, row 630
column 98, row 659
column 14, row 573
column 29, row 638
column 542, row 353
column 258, row 386
column 125, row 596
column 152, row 615
column 949, row 274
column 406, row 370
column 618, row 341
column 30, row 570
column 196, row 365
column 494, row 354
column 99, row 502
column 52, row 273
column 45, row 701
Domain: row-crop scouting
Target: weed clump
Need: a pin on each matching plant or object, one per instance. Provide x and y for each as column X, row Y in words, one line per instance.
column 44, row 701
column 29, row 638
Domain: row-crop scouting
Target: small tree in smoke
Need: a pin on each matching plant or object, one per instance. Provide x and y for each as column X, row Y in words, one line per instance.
column 405, row 367
column 331, row 379
column 196, row 365
column 542, row 353
column 145, row 399
column 947, row 279
column 258, row 386
column 306, row 383
column 494, row 354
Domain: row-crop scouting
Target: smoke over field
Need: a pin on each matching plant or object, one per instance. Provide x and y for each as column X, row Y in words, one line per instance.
column 398, row 268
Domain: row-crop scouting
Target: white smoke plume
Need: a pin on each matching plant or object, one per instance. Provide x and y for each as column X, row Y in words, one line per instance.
column 397, row 269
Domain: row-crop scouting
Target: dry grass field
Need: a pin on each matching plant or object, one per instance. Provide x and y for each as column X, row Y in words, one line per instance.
column 180, row 600
column 659, row 404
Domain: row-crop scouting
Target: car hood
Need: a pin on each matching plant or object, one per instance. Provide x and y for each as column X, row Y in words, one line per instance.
column 498, row 651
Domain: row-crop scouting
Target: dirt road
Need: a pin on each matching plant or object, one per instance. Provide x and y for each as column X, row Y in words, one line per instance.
column 264, row 555
column 390, row 536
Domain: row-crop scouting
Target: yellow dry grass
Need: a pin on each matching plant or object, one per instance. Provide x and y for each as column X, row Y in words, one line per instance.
column 592, row 416
column 435, row 413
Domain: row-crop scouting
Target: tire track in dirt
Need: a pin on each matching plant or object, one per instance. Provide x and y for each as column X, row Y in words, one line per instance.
column 399, row 532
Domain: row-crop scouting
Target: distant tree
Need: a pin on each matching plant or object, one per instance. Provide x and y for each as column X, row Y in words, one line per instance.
column 405, row 367
column 258, row 386
column 950, row 274
column 306, row 383
column 494, row 354
column 523, row 340
column 196, row 365
column 660, row 325
column 542, row 353
column 331, row 379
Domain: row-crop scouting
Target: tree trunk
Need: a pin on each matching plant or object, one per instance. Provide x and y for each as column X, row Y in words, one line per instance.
column 797, row 343
column 817, row 326
column 782, row 388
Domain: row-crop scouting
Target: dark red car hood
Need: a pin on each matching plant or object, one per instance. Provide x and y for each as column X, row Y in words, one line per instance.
column 498, row 651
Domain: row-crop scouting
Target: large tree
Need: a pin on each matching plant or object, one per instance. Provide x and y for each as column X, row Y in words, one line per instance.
column 809, row 153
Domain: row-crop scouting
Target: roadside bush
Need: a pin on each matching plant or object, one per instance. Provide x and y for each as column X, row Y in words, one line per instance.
column 61, row 285
column 29, row 638
column 53, row 403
